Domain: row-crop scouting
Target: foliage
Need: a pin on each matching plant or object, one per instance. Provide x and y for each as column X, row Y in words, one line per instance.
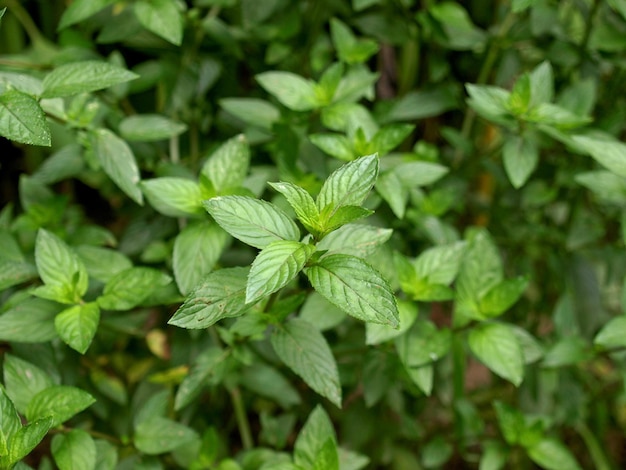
column 306, row 235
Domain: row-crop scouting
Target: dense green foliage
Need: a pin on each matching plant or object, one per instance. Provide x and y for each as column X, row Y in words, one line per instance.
column 312, row 234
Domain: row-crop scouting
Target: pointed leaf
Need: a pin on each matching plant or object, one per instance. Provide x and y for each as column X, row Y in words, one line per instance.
column 118, row 161
column 440, row 264
column 355, row 239
column 174, row 196
column 481, row 268
column 389, row 137
column 252, row 111
column 222, row 294
column 305, row 351
column 350, row 49
column 102, row 263
column 502, row 296
column 275, row 266
column 22, row 119
column 30, row 321
column 376, row 333
column 423, row 344
column 301, row 202
column 60, row 402
column 497, row 347
column 150, row 127
column 255, row 222
column 335, row 145
column 293, row 91
column 28, row 437
column 520, row 159
column 612, row 334
column 77, row 325
column 354, row 286
column 80, row 10
column 227, row 167
column 162, row 17
column 75, row 450
column 157, row 435
column 552, row 454
column 342, row 216
column 10, row 422
column 131, row 287
column 315, row 432
column 266, row 381
column 82, row 77
column 607, row 151
column 23, row 381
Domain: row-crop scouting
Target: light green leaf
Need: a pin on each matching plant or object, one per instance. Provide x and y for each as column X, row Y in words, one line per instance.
column 612, row 334
column 254, row 222
column 301, row 202
column 567, row 351
column 30, row 321
column 541, row 83
column 23, row 381
column 82, row 77
column 511, row 422
column 350, row 184
column 196, row 250
column 520, row 158
column 556, row 116
column 440, row 264
column 222, row 294
column 606, row 185
column 150, row 127
column 329, row 81
column 80, row 10
column 13, row 273
column 162, row 17
column 22, row 119
column 320, row 313
column 357, row 83
column 77, row 325
column 355, row 239
column 60, row 402
column 106, row 455
column 75, row 450
column 10, row 422
column 497, row 347
column 342, row 216
column 488, row 101
column 131, row 287
column 207, row 369
column 502, row 296
column 59, row 266
column 607, row 151
column 354, row 286
column 28, row 437
column 389, row 137
column 227, row 167
column 552, row 454
column 157, row 435
column 305, row 351
column 118, row 161
column 350, row 49
column 253, row 111
column 275, row 266
column 335, row 145
column 461, row 33
column 376, row 333
column 423, row 344
column 327, row 458
column 294, row 91
column 102, row 263
column 390, row 188
column 424, row 103
column 174, row 196
column 315, row 432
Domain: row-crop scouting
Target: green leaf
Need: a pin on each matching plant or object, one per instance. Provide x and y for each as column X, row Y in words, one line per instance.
column 606, row 185
column 612, row 334
column 75, row 450
column 567, row 351
column 118, row 161
column 266, row 381
column 77, row 325
column 22, row 119
column 227, row 167
column 356, row 84
column 60, row 402
column 82, row 77
column 494, row 456
column 327, row 458
column 488, row 101
column 197, row 249
column 293, row 91
column 80, row 10
column 355, row 239
column 13, row 273
column 275, row 266
column 162, row 17
column 102, row 263
column 376, row 333
column 551, row 454
column 461, row 33
column 253, row 111
column 423, row 344
column 317, row 430
column 157, row 435
column 301, row 202
column 607, row 151
column 350, row 184
column 342, row 216
column 355, row 287
column 28, row 437
column 59, row 266
column 329, row 81
column 350, row 49
column 440, row 264
column 335, row 145
column 174, row 196
column 320, row 313
column 511, row 422
column 222, row 294
column 502, row 296
column 23, row 380
column 556, row 116
column 541, row 83
column 305, row 351
column 424, row 103
column 520, row 158
column 9, row 422
column 131, row 287
column 207, row 369
column 519, row 101
column 497, row 347
column 389, row 137
column 30, row 321
column 254, row 222
column 150, row 127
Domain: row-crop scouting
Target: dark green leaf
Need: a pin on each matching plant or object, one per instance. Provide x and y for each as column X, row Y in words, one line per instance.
column 22, row 119
column 268, row 382
column 376, row 333
column 423, row 344
column 502, row 296
column 81, row 77
column 511, row 422
column 350, row 49
column 207, row 369
column 158, row 435
column 335, row 145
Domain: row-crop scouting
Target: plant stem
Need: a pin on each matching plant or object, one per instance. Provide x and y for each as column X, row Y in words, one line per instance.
column 25, row 20
column 242, row 418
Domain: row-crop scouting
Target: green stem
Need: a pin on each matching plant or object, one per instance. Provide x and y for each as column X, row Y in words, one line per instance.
column 25, row 20
column 600, row 460
column 242, row 418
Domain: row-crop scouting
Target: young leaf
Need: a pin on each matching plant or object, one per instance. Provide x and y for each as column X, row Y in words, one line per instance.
column 497, row 347
column 77, row 325
column 316, row 431
column 275, row 266
column 389, row 137
column 551, row 454
column 131, row 287
column 502, row 296
column 23, row 381
column 489, row 101
column 327, row 458
column 60, row 402
column 350, row 184
column 162, row 17
column 520, row 157
column 150, row 127
column 355, row 287
column 227, row 167
column 305, row 351
column 542, row 84
column 118, row 161
column 355, row 239
column 342, row 216
column 82, row 77
column 612, row 334
column 301, row 202
column 22, row 119
column 59, row 266
column 350, row 49
column 27, row 438
column 222, row 294
column 74, row 450
column 10, row 422
column 292, row 90
column 157, row 435
column 254, row 222
column 196, row 250
column 174, row 196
